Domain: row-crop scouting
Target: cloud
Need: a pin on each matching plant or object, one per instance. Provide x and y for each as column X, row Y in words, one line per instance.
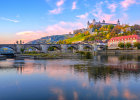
column 11, row 20
column 30, row 35
column 59, row 9
column 74, row 5
column 60, row 3
column 56, row 29
column 56, row 11
column 84, row 16
column 63, row 28
column 126, row 3
column 100, row 15
column 112, row 7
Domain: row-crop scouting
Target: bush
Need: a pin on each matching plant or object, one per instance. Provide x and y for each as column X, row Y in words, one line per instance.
column 137, row 45
column 128, row 45
column 121, row 45
column 88, row 55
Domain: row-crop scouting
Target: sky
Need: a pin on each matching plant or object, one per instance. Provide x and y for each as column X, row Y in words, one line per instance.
column 32, row 19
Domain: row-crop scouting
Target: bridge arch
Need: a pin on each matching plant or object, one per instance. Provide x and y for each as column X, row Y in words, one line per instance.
column 54, row 48
column 30, row 48
column 87, row 48
column 72, row 48
column 11, row 47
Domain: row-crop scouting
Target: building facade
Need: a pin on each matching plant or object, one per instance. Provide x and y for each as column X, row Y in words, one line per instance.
column 94, row 22
column 113, row 42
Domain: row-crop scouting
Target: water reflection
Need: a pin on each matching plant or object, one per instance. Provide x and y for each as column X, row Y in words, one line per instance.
column 103, row 77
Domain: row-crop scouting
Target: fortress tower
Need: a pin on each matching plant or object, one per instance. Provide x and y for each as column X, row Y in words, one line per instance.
column 94, row 22
column 118, row 22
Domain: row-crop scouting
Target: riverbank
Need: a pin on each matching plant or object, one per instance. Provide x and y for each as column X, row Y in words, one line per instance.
column 49, row 56
column 119, row 52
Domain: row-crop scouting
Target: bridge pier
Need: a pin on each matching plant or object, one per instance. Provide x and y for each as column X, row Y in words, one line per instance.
column 44, row 48
column 81, row 48
column 63, row 48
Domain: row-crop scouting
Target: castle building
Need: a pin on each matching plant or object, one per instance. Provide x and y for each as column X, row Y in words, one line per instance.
column 101, row 23
column 91, row 30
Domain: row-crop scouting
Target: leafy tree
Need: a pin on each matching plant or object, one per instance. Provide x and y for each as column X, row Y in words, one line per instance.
column 128, row 45
column 22, row 50
column 137, row 45
column 121, row 45
column 86, row 33
column 91, row 26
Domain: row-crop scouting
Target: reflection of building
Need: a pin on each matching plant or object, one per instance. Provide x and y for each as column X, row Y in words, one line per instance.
column 115, row 63
column 113, row 42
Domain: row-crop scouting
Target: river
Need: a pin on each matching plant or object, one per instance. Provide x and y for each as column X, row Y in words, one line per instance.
column 100, row 78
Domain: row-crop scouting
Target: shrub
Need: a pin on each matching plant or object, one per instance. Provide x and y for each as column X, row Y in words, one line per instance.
column 128, row 45
column 121, row 45
column 137, row 45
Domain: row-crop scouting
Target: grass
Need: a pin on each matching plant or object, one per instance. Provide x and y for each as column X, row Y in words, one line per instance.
column 76, row 38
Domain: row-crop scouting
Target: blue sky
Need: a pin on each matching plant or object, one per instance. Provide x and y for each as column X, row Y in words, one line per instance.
column 32, row 19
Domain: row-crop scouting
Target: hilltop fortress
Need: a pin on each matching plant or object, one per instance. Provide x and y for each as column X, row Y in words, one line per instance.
column 94, row 22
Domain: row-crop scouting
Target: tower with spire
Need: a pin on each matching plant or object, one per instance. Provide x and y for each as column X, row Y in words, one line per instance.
column 118, row 22
column 94, row 22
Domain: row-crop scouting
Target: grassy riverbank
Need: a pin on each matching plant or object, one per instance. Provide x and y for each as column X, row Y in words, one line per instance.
column 56, row 55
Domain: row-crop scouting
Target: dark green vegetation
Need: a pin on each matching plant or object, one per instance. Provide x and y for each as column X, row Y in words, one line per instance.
column 129, row 45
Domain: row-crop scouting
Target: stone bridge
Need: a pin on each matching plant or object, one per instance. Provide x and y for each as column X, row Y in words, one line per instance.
column 44, row 47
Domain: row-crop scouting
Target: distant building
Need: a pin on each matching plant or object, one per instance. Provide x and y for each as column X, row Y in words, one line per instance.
column 91, row 30
column 101, row 23
column 113, row 42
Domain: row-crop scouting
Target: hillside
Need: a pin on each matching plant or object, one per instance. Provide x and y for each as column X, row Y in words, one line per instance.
column 51, row 39
column 104, row 32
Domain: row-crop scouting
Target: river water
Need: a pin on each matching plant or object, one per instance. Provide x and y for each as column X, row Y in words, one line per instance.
column 100, row 78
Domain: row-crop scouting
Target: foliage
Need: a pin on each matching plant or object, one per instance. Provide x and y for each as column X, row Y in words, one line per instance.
column 88, row 55
column 121, row 45
column 102, row 33
column 128, row 45
column 22, row 50
column 31, row 52
column 137, row 45
column 52, row 48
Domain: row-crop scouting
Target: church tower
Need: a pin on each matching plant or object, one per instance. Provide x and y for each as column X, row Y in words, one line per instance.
column 88, row 23
column 103, row 21
column 118, row 22
column 94, row 22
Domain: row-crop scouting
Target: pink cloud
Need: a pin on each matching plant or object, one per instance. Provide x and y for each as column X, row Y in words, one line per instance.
column 112, row 7
column 63, row 28
column 84, row 16
column 74, row 5
column 56, row 29
column 126, row 3
column 60, row 3
column 56, row 11
column 100, row 15
column 27, row 36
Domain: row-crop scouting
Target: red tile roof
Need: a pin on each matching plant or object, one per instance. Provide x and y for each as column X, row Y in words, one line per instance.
column 124, row 37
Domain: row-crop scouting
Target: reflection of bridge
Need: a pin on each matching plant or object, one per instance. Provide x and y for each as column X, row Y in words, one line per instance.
column 44, row 47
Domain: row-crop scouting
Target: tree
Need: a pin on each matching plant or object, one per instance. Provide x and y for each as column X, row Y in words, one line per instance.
column 137, row 45
column 121, row 45
column 86, row 33
column 128, row 45
column 22, row 50
column 91, row 26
